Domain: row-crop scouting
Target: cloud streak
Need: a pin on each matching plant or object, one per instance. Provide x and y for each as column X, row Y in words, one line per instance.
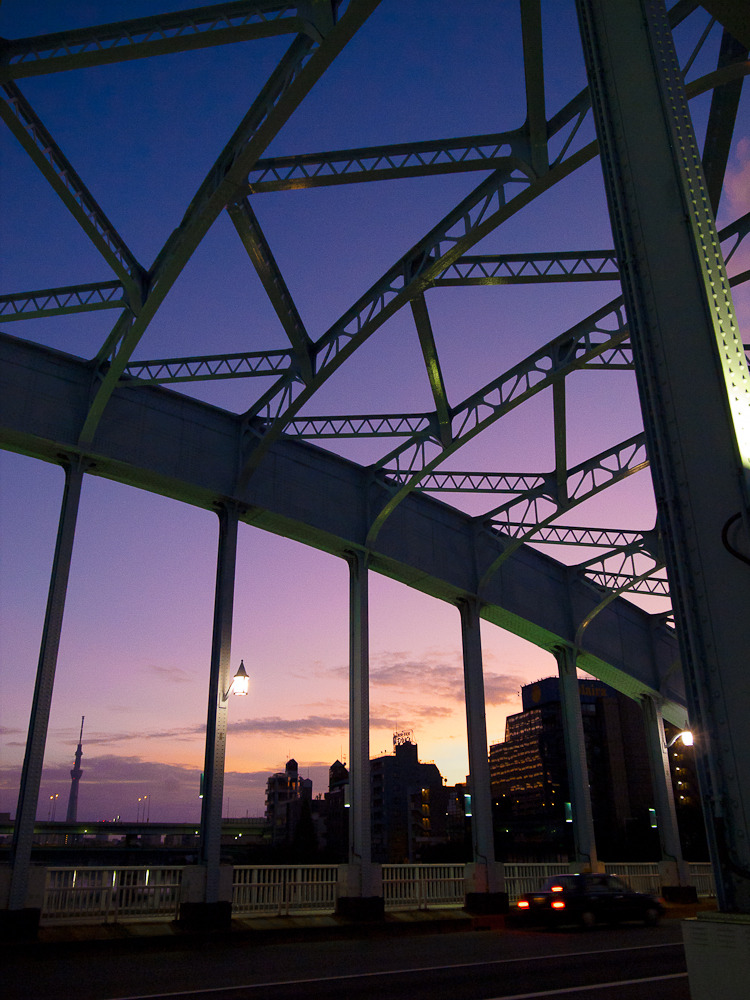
column 441, row 679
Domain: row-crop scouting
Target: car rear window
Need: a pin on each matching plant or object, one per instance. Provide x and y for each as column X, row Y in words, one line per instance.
column 566, row 881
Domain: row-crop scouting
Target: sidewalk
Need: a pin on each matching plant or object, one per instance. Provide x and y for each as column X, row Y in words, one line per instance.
column 313, row 926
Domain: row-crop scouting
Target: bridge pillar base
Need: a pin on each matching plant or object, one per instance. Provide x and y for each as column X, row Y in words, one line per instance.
column 484, row 903
column 364, row 909
column 680, row 893
column 205, row 918
column 20, row 925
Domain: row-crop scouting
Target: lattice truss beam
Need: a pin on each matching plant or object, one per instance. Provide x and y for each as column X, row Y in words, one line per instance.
column 515, row 167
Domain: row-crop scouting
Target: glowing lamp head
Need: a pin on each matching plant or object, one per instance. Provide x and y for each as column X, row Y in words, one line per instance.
column 241, row 682
column 686, row 736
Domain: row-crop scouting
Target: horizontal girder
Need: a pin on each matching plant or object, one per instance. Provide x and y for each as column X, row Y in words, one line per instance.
column 216, row 24
column 204, row 368
column 61, row 301
column 375, row 163
column 531, row 268
column 362, row 425
column 179, row 447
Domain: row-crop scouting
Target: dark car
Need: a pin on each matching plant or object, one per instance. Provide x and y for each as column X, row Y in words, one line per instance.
column 585, row 900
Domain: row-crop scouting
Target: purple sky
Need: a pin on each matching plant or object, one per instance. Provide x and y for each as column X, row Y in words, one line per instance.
column 136, row 641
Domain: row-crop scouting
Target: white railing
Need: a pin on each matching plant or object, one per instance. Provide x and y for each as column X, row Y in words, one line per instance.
column 111, row 894
column 702, row 877
column 409, row 887
column 274, row 889
column 521, row 878
column 105, row 895
column 641, row 876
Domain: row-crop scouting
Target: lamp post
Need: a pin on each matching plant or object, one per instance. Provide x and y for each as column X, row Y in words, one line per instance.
column 213, row 787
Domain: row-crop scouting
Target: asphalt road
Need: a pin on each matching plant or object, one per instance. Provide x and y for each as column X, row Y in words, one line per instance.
column 626, row 963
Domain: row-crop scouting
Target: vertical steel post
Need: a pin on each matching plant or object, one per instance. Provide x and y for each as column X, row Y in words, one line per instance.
column 694, row 386
column 28, row 795
column 360, row 849
column 673, row 866
column 575, row 757
column 216, row 724
column 482, row 836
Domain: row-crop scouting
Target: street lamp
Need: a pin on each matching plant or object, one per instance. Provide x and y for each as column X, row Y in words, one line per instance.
column 686, row 736
column 240, row 682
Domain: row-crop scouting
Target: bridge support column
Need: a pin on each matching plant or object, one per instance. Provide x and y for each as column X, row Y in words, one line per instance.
column 673, row 870
column 485, row 878
column 214, row 910
column 22, row 919
column 575, row 757
column 694, row 385
column 360, row 884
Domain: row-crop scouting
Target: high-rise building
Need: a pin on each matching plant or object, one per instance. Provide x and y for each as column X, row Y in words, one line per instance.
column 530, row 784
column 394, row 780
column 335, row 840
column 285, row 793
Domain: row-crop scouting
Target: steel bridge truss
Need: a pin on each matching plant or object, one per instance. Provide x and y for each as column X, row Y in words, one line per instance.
column 516, row 167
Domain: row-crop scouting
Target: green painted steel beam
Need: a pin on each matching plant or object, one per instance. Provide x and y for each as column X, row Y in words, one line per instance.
column 62, row 301
column 138, row 38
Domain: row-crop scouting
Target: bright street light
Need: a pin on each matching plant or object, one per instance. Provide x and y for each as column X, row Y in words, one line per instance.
column 240, row 682
column 686, row 736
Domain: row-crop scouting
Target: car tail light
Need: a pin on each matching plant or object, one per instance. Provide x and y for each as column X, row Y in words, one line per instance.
column 556, row 888
column 523, row 904
column 558, row 904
